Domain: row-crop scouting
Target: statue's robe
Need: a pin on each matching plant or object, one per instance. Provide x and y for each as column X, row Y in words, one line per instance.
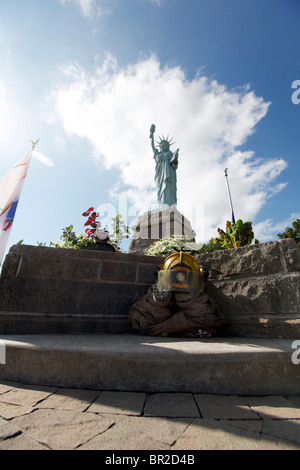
column 165, row 177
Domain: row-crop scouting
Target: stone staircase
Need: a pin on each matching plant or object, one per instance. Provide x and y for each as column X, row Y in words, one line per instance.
column 63, row 322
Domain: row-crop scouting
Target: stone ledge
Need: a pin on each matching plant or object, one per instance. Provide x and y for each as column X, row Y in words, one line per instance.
column 264, row 259
column 26, row 261
column 262, row 295
column 24, row 323
column 138, row 363
column 73, row 297
column 264, row 326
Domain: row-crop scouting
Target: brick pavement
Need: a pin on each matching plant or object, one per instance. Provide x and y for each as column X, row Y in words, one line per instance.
column 51, row 418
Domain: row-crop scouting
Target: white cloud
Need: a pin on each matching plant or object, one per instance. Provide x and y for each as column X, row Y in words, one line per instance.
column 5, row 112
column 95, row 8
column 89, row 8
column 114, row 108
column 265, row 230
column 2, row 103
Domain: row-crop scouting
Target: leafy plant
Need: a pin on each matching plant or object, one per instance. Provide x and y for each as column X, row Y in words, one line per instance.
column 71, row 240
column 89, row 239
column 211, row 246
column 236, row 235
column 120, row 231
column 292, row 232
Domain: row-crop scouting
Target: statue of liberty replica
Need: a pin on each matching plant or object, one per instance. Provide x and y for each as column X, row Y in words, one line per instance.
column 166, row 164
column 166, row 220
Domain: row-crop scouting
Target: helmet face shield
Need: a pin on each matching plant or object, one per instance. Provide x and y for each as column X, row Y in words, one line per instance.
column 181, row 272
column 180, row 280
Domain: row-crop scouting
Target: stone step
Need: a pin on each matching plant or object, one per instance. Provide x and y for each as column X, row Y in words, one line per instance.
column 129, row 362
column 20, row 323
column 23, row 323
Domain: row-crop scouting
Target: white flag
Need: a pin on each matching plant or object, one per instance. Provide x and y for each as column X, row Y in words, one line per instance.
column 10, row 191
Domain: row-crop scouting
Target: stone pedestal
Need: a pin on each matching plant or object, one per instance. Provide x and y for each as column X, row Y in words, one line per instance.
column 157, row 224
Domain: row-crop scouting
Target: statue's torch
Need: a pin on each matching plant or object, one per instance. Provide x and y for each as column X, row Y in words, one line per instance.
column 152, row 130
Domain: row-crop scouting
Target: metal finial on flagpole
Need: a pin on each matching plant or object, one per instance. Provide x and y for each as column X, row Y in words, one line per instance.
column 34, row 144
column 230, row 200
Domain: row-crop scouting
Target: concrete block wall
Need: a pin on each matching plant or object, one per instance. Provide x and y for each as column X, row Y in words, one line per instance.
column 53, row 290
column 257, row 288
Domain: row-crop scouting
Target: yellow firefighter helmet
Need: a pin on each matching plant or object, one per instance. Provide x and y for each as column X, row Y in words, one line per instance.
column 181, row 272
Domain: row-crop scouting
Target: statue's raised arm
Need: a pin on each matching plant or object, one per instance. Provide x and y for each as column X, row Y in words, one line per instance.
column 165, row 172
column 152, row 130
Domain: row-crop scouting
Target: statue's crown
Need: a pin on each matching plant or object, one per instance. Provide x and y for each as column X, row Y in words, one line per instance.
column 167, row 140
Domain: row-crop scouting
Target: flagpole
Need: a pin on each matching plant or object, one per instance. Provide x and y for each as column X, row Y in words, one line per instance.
column 230, row 200
column 34, row 144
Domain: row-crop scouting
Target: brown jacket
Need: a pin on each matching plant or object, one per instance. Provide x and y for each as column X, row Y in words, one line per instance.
column 182, row 314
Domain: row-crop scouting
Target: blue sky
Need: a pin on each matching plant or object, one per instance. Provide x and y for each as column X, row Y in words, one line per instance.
column 89, row 77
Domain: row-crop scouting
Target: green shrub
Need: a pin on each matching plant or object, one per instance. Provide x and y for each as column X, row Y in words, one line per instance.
column 236, row 235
